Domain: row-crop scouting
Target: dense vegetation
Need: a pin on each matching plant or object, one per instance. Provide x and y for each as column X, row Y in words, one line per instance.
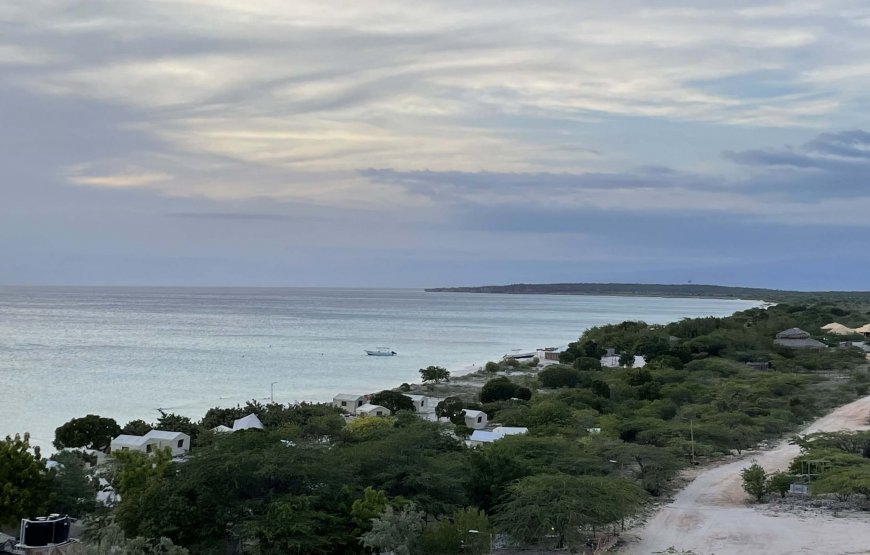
column 601, row 441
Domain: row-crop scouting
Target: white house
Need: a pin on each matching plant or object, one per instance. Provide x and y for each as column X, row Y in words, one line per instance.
column 422, row 403
column 479, row 437
column 369, row 409
column 474, row 419
column 249, row 422
column 177, row 442
column 348, row 402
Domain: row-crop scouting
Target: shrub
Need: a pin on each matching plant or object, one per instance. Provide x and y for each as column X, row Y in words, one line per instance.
column 498, row 389
column 559, row 376
column 587, row 363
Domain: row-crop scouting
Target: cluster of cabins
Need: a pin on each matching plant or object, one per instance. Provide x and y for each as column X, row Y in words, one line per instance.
column 177, row 442
column 796, row 338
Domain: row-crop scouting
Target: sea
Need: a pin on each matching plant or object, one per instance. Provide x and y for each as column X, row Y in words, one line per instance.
column 127, row 352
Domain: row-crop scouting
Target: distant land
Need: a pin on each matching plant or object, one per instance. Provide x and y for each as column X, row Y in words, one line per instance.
column 658, row 290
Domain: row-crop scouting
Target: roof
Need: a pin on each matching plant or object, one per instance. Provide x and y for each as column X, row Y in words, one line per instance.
column 163, row 434
column 800, row 343
column 347, row 397
column 415, row 397
column 369, row 407
column 222, row 429
column 249, row 422
column 864, row 329
column 793, row 333
column 510, row 430
column 837, row 328
column 473, row 413
column 485, row 437
column 127, row 439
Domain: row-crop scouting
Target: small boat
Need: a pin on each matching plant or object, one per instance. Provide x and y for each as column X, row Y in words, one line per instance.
column 518, row 354
column 381, row 352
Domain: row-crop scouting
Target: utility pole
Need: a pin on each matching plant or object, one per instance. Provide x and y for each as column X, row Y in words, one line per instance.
column 272, row 392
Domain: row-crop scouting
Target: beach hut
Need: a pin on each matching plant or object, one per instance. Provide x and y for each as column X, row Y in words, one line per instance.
column 474, row 419
column 249, row 422
column 796, row 338
column 864, row 330
column 479, row 437
column 178, row 443
column 129, row 442
column 348, row 402
column 838, row 329
column 369, row 409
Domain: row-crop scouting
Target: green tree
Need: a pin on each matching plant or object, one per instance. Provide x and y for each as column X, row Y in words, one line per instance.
column 73, row 491
column 370, row 506
column 393, row 400
column 137, row 428
column 90, row 432
column 396, row 531
column 449, row 408
column 491, row 367
column 497, row 389
column 626, row 359
column 559, row 376
column 587, row 363
column 755, row 481
column 568, row 506
column 435, row 374
column 172, row 422
column 23, row 484
column 780, row 482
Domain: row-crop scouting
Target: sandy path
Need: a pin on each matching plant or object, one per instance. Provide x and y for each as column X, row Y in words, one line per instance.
column 711, row 516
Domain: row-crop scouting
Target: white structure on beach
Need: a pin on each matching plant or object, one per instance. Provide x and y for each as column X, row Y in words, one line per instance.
column 369, row 409
column 423, row 403
column 474, row 419
column 348, row 402
column 510, row 430
column 249, row 422
column 177, row 442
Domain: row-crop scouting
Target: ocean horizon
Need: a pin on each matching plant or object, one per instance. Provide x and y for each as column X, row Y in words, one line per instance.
column 125, row 352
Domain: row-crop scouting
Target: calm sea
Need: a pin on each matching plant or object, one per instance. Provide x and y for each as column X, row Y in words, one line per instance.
column 124, row 352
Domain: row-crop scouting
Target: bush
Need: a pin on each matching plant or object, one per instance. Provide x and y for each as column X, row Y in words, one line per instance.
column 524, row 393
column 587, row 363
column 559, row 376
column 491, row 367
column 498, row 389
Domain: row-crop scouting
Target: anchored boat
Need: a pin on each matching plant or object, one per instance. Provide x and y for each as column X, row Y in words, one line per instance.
column 381, row 352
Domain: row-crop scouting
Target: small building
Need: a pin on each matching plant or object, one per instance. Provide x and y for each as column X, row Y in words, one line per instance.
column 348, row 402
column 864, row 330
column 249, row 422
column 837, row 328
column 474, row 419
column 796, row 338
column 177, row 442
column 551, row 354
column 479, row 437
column 369, row 409
column 422, row 403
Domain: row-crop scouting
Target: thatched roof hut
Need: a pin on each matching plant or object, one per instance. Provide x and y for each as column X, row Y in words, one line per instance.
column 838, row 329
column 796, row 338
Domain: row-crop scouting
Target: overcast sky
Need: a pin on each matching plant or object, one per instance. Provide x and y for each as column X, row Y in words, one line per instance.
column 396, row 143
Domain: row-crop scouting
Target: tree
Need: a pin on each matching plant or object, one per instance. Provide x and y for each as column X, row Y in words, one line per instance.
column 90, row 432
column 755, row 481
column 73, row 491
column 626, row 359
column 367, row 508
column 392, row 400
column 568, row 506
column 435, row 374
column 524, row 393
column 137, row 428
column 491, row 367
column 23, row 484
column 587, row 363
column 396, row 531
column 172, row 422
column 498, row 389
column 449, row 408
column 559, row 376
column 779, row 482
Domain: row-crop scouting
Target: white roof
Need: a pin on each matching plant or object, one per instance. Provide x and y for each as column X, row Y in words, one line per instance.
column 485, row 437
column 126, row 439
column 163, row 434
column 510, row 430
column 250, row 422
column 222, row 429
column 368, row 407
column 415, row 397
column 347, row 397
column 864, row 329
column 473, row 413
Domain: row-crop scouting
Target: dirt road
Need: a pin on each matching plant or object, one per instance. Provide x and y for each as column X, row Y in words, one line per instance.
column 711, row 515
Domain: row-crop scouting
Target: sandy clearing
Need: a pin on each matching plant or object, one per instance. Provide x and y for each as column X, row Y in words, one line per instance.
column 711, row 515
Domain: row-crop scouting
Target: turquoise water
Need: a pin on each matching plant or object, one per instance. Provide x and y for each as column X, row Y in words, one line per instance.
column 124, row 352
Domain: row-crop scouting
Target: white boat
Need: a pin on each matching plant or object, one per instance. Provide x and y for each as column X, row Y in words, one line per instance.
column 518, row 354
column 381, row 352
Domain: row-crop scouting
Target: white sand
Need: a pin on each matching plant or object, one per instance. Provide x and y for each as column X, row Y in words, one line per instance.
column 712, row 515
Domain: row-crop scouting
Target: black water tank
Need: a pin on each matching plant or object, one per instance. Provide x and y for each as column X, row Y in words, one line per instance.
column 45, row 530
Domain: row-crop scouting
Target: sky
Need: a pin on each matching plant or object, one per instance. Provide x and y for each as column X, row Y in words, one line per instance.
column 410, row 144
